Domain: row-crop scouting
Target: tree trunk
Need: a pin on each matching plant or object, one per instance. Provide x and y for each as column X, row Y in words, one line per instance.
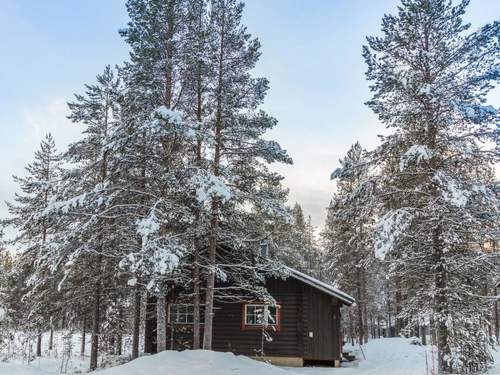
column 51, row 338
column 214, row 222
column 497, row 317
column 196, row 244
column 39, row 344
column 423, row 334
column 161, row 327
column 196, row 298
column 389, row 317
column 137, row 323
column 351, row 327
column 441, row 303
column 210, row 291
column 82, row 349
column 119, row 344
column 96, row 317
column 397, row 323
column 359, row 304
column 150, row 325
column 365, row 312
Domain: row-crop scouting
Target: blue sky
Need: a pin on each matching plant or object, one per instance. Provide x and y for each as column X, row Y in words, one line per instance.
column 311, row 55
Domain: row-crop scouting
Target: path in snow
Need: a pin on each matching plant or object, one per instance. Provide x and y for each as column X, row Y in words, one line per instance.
column 390, row 356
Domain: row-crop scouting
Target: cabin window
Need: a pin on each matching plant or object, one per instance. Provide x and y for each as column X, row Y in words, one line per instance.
column 258, row 315
column 183, row 313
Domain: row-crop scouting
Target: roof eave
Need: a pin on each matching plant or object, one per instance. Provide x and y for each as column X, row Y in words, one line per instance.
column 343, row 297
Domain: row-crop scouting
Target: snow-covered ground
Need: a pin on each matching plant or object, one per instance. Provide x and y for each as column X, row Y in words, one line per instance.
column 384, row 356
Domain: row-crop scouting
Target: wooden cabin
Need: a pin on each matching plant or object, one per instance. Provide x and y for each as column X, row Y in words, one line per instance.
column 303, row 327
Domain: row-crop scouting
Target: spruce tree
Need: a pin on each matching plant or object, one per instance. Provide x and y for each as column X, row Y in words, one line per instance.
column 430, row 79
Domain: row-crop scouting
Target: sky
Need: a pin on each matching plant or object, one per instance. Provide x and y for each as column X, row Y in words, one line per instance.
column 311, row 54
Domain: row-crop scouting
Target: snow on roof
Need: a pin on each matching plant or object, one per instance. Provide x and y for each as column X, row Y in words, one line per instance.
column 320, row 285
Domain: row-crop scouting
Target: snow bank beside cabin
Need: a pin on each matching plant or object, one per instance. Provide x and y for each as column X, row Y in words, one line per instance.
column 195, row 362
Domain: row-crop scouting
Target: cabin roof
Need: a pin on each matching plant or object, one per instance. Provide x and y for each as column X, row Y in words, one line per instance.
column 320, row 285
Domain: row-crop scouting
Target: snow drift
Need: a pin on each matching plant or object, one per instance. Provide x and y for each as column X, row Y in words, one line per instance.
column 195, row 362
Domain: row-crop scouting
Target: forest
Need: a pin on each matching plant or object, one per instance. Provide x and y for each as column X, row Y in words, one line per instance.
column 175, row 163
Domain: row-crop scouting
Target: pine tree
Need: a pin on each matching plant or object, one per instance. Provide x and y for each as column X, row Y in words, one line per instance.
column 430, row 81
column 87, row 199
column 36, row 236
column 347, row 233
column 172, row 159
column 155, row 81
column 237, row 150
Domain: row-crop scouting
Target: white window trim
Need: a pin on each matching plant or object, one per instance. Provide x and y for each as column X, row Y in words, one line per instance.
column 266, row 308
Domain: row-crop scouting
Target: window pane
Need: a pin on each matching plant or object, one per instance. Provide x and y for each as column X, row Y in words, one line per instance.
column 271, row 315
column 261, row 314
column 251, row 317
column 184, row 313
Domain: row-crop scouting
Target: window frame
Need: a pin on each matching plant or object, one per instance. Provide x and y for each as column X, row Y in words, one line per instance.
column 170, row 312
column 276, row 327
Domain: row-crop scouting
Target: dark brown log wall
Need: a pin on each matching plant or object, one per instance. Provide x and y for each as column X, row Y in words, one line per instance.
column 303, row 309
column 323, row 320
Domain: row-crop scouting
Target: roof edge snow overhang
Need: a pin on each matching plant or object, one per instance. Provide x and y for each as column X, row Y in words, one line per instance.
column 320, row 285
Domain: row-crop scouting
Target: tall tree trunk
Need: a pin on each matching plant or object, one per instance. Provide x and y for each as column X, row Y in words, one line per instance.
column 351, row 327
column 365, row 308
column 214, row 222
column 39, row 344
column 196, row 249
column 119, row 344
column 397, row 323
column 161, row 326
column 497, row 317
column 51, row 337
column 441, row 302
column 196, row 298
column 137, row 323
column 210, row 290
column 359, row 304
column 119, row 336
column 432, row 329
column 423, row 334
column 82, row 349
column 150, row 325
column 96, row 317
column 389, row 316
